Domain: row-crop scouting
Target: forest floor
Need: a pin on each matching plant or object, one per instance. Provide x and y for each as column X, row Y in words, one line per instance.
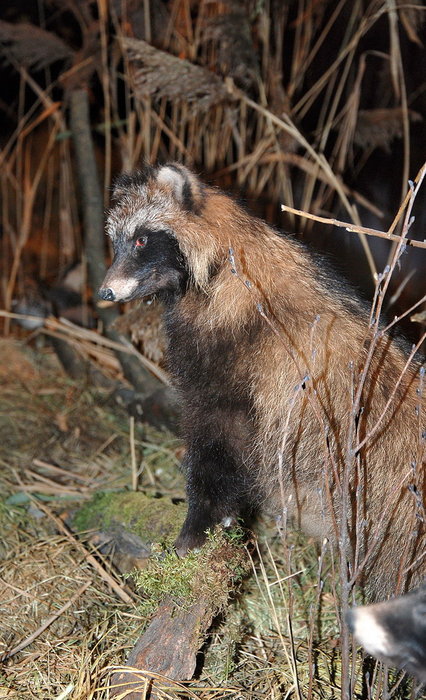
column 65, row 627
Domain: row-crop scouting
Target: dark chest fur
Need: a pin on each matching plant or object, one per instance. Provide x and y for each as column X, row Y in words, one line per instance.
column 210, row 367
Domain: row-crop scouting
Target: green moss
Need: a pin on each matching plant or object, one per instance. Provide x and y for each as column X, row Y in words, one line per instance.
column 152, row 519
column 166, row 575
column 208, row 572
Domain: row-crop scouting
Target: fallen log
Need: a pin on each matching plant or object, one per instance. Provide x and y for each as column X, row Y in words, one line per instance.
column 180, row 597
column 168, row 649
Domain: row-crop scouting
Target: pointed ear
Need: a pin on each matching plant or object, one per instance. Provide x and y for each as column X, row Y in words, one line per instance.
column 187, row 189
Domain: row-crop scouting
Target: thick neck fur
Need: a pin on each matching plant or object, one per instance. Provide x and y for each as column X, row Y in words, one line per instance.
column 294, row 295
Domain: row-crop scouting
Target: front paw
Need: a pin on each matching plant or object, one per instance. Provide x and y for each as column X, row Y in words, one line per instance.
column 189, row 541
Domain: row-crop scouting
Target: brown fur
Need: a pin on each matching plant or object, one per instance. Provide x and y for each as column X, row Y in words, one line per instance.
column 278, row 391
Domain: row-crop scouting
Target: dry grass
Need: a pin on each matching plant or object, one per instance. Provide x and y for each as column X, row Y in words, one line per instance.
column 216, row 90
column 279, row 638
column 62, row 444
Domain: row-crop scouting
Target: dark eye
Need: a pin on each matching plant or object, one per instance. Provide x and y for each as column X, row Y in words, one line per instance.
column 141, row 241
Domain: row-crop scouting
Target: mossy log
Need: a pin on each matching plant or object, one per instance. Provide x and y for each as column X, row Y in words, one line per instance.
column 126, row 524
column 191, row 592
column 179, row 596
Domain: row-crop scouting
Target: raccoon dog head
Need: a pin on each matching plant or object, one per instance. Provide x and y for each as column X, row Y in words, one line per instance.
column 147, row 257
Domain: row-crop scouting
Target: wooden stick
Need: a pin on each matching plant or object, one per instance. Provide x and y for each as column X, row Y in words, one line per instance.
column 61, row 327
column 93, row 216
column 133, row 455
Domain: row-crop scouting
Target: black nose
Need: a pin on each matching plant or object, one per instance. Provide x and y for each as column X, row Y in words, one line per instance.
column 107, row 294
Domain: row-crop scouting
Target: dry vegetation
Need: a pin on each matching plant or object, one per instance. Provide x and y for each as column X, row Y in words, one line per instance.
column 319, row 106
column 64, row 443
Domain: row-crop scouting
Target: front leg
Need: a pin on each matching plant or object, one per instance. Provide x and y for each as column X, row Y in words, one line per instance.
column 217, row 489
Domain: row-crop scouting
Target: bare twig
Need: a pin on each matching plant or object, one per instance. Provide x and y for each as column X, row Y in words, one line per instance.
column 133, row 455
column 376, row 426
column 354, row 227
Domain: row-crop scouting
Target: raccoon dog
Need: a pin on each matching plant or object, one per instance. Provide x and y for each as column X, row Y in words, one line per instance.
column 265, row 345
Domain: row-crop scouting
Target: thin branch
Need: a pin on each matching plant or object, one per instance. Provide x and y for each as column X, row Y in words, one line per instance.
column 354, row 228
column 375, row 427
